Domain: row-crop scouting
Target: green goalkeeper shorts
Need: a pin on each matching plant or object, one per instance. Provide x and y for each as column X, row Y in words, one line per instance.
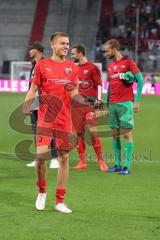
column 121, row 115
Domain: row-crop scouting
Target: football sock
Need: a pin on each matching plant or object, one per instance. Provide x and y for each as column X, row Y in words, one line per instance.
column 128, row 148
column 60, row 192
column 81, row 150
column 117, row 151
column 96, row 142
column 82, row 157
column 42, row 185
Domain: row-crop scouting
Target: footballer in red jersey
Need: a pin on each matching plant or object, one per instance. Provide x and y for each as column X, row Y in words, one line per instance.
column 36, row 51
column 119, row 90
column 122, row 103
column 56, row 79
column 89, row 84
column 89, row 78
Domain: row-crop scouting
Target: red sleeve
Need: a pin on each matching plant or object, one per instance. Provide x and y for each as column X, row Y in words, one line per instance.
column 97, row 76
column 37, row 75
column 133, row 67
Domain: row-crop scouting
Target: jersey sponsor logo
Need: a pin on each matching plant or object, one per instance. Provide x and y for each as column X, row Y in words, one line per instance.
column 85, row 84
column 58, row 81
column 123, row 66
column 70, row 86
column 68, row 71
column 113, row 76
column 67, row 84
column 85, row 71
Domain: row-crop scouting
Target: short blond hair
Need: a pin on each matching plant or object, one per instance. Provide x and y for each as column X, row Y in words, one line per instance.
column 58, row 34
column 113, row 44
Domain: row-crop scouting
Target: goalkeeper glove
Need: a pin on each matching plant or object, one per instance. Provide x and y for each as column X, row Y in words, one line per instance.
column 128, row 77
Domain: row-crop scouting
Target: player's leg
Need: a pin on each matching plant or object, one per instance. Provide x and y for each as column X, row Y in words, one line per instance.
column 62, row 176
column 78, row 112
column 40, row 168
column 81, row 148
column 54, row 153
column 63, row 170
column 128, row 148
column 127, row 122
column 65, row 142
column 34, row 116
column 91, row 126
column 117, row 148
column 116, row 142
column 97, row 145
column 43, row 140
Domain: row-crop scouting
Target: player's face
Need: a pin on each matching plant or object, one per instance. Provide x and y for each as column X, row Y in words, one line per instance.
column 109, row 52
column 32, row 53
column 60, row 46
column 75, row 55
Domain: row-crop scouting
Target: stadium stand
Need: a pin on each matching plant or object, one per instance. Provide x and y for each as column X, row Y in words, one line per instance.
column 123, row 27
column 23, row 22
column 83, row 24
column 78, row 19
column 57, row 20
column 16, row 19
column 91, row 22
column 39, row 21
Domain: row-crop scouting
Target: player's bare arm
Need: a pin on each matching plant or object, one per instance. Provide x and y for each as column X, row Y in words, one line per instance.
column 30, row 98
column 78, row 98
column 95, row 103
column 136, row 107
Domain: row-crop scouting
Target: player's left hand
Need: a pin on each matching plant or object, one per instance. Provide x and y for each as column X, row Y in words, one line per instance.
column 128, row 77
column 136, row 107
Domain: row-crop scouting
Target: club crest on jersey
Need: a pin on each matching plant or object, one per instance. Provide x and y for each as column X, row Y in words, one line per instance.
column 68, row 71
column 85, row 72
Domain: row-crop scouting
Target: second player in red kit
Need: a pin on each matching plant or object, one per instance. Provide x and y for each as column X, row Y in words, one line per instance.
column 89, row 85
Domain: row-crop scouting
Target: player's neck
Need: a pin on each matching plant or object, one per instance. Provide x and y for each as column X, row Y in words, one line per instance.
column 37, row 58
column 118, row 56
column 82, row 60
column 58, row 59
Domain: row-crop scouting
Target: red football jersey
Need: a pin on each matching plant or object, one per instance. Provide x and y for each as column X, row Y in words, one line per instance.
column 89, row 79
column 119, row 90
column 55, row 81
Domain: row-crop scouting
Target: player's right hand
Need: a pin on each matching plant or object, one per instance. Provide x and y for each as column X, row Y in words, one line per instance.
column 136, row 107
column 26, row 109
column 98, row 104
column 93, row 101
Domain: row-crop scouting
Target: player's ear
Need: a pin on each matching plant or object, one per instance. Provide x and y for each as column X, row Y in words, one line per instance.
column 52, row 45
column 114, row 50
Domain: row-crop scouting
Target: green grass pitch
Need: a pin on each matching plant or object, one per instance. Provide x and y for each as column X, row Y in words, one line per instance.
column 105, row 206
